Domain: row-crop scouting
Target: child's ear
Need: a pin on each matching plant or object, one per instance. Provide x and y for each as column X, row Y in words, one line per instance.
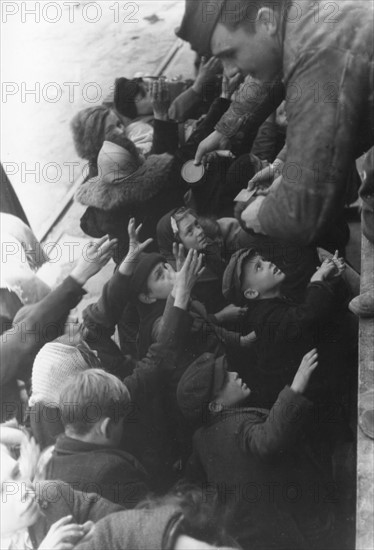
column 215, row 407
column 251, row 294
column 145, row 299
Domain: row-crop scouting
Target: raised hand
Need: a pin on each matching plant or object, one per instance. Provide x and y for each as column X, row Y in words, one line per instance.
column 96, row 255
column 64, row 535
column 186, row 278
column 207, row 71
column 308, row 364
column 160, row 98
column 330, row 268
column 214, row 141
column 135, row 248
column 265, row 177
column 248, row 340
column 230, row 314
column 339, row 265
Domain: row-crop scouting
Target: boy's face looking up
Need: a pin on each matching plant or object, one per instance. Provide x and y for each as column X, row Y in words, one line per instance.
column 160, row 283
column 261, row 279
column 233, row 392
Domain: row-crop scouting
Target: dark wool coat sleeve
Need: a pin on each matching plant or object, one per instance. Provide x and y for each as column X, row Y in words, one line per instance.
column 103, row 316
column 100, row 320
column 217, row 109
column 195, row 472
column 58, row 499
column 184, row 104
column 318, row 306
column 161, row 355
column 135, row 530
column 255, row 103
column 270, row 439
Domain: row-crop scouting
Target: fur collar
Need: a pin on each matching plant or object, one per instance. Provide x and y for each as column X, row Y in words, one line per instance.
column 111, row 192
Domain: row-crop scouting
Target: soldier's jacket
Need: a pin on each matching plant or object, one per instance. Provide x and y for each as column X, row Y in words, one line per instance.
column 327, row 81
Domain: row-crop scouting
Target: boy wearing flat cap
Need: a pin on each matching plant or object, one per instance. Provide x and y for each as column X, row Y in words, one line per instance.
column 286, row 330
column 255, row 460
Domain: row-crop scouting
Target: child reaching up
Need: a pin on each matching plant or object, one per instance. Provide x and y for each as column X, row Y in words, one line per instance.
column 255, row 461
column 285, row 329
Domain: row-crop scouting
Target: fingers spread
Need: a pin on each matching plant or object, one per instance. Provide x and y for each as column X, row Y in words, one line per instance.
column 100, row 241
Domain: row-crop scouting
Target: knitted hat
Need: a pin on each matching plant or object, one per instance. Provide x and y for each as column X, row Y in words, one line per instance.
column 200, row 384
column 125, row 92
column 142, row 271
column 55, row 363
column 198, row 23
column 231, row 282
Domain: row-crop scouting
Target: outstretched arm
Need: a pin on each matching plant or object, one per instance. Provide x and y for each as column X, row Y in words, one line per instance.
column 36, row 324
column 255, row 101
column 279, row 432
column 102, row 317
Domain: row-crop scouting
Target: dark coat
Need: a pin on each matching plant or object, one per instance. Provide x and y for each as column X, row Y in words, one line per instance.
column 262, row 470
column 155, row 529
column 58, row 499
column 111, row 473
column 33, row 326
column 286, row 331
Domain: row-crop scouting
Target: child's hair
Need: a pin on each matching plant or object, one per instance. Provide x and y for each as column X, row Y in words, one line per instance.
column 90, row 396
column 88, row 128
column 202, row 517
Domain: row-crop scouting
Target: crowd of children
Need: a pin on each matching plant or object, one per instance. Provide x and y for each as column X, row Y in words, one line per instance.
column 207, row 399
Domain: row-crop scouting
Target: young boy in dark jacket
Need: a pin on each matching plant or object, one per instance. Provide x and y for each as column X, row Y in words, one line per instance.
column 255, row 461
column 286, row 330
column 93, row 407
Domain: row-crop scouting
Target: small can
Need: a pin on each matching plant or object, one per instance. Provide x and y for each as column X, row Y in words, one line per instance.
column 192, row 173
